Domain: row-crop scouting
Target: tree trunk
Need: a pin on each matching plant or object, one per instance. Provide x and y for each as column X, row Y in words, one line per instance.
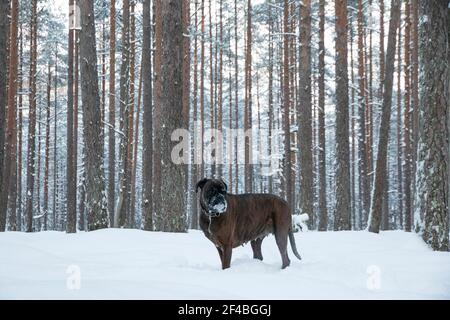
column 147, row 125
column 10, row 141
column 47, row 145
column 286, row 106
column 363, row 159
column 55, row 144
column 399, row 130
column 323, row 214
column 195, row 167
column 173, row 186
column 71, row 225
column 270, row 89
column 121, row 218
column 248, row 103
column 433, row 156
column 407, row 121
column 81, row 220
column 20, row 138
column 112, row 113
column 96, row 208
column 32, row 118
column 4, row 35
column 304, row 116
column 343, row 198
column 157, row 176
column 381, row 170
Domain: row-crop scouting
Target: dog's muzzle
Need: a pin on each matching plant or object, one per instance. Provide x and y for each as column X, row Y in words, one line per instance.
column 217, row 205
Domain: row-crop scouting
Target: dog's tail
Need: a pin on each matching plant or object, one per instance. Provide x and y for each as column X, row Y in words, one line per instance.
column 293, row 246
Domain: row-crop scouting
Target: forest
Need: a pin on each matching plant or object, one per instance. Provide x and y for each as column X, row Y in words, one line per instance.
column 341, row 107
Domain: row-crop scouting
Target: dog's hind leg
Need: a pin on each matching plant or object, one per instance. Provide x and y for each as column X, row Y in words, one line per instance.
column 281, row 240
column 256, row 247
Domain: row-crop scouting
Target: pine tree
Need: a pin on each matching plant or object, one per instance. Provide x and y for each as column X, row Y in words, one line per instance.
column 172, row 189
column 343, row 198
column 381, row 166
column 304, row 116
column 32, row 119
column 4, row 27
column 147, row 139
column 96, row 209
column 112, row 112
column 71, row 176
column 323, row 214
column 433, row 156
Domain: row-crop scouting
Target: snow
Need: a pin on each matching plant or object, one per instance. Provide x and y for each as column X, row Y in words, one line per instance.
column 220, row 207
column 134, row 264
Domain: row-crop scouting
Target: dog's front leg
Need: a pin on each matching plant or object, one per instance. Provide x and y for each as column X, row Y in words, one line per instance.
column 226, row 256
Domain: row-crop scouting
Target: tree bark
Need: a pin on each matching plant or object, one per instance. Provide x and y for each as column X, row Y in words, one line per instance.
column 71, row 216
column 381, row 170
column 343, row 198
column 121, row 218
column 10, row 141
column 147, row 135
column 32, row 118
column 4, row 35
column 304, row 116
column 173, row 186
column 96, row 207
column 433, row 156
column 112, row 113
column 323, row 213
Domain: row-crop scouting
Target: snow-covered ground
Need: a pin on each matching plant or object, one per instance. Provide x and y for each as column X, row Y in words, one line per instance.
column 133, row 264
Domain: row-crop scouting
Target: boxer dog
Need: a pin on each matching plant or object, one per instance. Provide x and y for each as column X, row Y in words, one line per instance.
column 230, row 220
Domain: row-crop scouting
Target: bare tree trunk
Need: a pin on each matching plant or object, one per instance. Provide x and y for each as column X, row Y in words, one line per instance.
column 248, row 112
column 363, row 159
column 81, row 220
column 96, row 208
column 173, row 186
column 407, row 121
column 343, row 195
column 147, row 125
column 55, row 144
column 130, row 159
column 121, row 218
column 157, row 175
column 399, row 130
column 236, row 105
column 10, row 141
column 286, row 106
column 381, row 170
column 47, row 146
column 112, row 112
column 32, row 119
column 433, row 156
column 271, row 106
column 195, row 167
column 4, row 35
column 71, row 225
column 20, row 137
column 304, row 117
column 323, row 214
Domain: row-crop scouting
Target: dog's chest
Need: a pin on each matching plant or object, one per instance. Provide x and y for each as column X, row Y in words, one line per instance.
column 214, row 230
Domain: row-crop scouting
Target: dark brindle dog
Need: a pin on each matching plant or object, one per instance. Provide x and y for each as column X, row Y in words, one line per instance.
column 230, row 220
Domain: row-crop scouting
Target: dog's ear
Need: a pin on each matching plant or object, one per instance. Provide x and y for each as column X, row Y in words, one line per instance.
column 200, row 184
column 224, row 184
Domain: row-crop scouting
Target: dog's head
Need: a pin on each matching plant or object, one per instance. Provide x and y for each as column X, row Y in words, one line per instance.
column 213, row 196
